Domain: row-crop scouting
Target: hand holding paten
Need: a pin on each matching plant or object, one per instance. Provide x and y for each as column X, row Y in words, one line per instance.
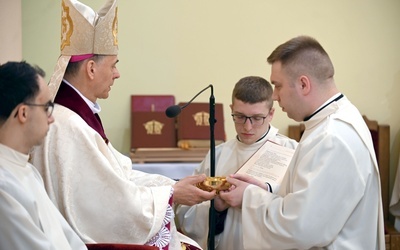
column 186, row 192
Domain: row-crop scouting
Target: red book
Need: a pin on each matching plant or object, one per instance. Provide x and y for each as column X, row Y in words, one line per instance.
column 154, row 103
column 150, row 127
column 152, row 130
column 193, row 128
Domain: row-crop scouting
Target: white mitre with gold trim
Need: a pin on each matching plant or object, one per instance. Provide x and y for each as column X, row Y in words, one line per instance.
column 85, row 33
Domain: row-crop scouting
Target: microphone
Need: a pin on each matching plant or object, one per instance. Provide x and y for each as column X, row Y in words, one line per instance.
column 174, row 110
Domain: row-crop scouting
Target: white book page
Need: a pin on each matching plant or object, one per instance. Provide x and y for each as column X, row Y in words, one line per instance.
column 268, row 164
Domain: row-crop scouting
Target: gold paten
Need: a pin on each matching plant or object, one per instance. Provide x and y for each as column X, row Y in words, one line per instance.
column 214, row 183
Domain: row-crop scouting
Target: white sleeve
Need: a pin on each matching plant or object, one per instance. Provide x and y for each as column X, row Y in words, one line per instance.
column 17, row 228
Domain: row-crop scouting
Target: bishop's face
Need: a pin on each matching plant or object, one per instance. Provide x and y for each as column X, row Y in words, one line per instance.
column 106, row 72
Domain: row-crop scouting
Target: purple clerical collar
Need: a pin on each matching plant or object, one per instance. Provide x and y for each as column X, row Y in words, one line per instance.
column 69, row 98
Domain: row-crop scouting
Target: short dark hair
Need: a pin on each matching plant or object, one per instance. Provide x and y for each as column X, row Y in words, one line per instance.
column 18, row 83
column 253, row 89
column 303, row 54
column 73, row 67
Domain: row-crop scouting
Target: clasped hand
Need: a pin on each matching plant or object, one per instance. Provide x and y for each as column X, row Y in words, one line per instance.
column 234, row 196
column 187, row 193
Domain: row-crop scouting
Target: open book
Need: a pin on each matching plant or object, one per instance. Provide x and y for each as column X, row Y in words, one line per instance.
column 268, row 164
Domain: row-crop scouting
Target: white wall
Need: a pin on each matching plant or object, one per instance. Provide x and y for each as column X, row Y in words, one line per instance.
column 178, row 47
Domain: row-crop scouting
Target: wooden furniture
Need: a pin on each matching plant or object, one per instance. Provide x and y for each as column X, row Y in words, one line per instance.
column 381, row 138
column 296, row 131
column 142, row 155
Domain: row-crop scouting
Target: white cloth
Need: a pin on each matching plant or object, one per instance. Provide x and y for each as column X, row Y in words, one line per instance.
column 330, row 197
column 229, row 157
column 173, row 170
column 394, row 206
column 94, row 187
column 28, row 218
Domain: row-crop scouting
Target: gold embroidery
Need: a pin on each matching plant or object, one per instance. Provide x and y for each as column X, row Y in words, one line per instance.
column 115, row 27
column 201, row 118
column 66, row 26
column 153, row 127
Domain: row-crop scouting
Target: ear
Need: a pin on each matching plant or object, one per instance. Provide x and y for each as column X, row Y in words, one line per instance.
column 91, row 69
column 271, row 114
column 22, row 113
column 305, row 84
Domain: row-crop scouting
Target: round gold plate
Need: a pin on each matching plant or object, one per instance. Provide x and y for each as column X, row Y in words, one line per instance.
column 214, row 183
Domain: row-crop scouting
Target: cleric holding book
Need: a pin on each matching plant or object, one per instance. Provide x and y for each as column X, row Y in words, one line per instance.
column 330, row 197
column 91, row 183
column 28, row 218
column 252, row 111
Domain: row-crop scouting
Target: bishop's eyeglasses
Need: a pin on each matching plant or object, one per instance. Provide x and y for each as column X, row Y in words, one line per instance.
column 254, row 120
column 48, row 107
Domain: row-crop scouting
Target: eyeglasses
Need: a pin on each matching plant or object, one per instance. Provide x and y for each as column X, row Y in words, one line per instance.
column 48, row 107
column 254, row 120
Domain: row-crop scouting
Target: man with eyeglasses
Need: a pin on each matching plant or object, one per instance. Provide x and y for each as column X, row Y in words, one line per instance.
column 330, row 197
column 48, row 107
column 28, row 218
column 252, row 112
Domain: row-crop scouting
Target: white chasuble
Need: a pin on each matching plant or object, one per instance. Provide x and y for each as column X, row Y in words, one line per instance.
column 95, row 188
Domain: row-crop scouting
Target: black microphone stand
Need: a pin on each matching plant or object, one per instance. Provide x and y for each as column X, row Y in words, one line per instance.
column 211, row 218
column 174, row 111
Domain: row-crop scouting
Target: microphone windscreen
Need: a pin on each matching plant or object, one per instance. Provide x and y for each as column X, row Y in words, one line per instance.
column 173, row 111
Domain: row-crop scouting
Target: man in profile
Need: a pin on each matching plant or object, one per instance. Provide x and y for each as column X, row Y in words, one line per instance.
column 29, row 220
column 330, row 197
column 91, row 183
